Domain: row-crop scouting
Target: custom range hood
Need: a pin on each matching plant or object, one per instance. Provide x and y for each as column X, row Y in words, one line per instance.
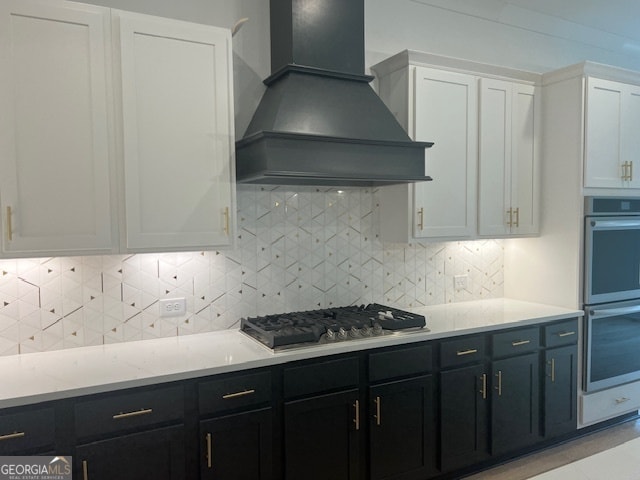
column 319, row 121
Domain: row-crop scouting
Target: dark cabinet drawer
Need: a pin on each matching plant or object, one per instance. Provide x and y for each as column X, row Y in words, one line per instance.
column 321, row 376
column 562, row 333
column 401, row 362
column 515, row 342
column 27, row 431
column 136, row 409
column 461, row 351
column 234, row 392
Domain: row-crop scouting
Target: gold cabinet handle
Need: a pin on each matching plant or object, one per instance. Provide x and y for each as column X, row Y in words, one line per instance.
column 627, row 171
column 622, row 400
column 631, row 171
column 85, row 470
column 12, row 436
column 238, row 394
column 208, row 450
column 137, row 413
column 516, row 223
column 470, row 351
column 510, row 213
column 356, row 420
column 484, row 386
column 566, row 334
column 226, row 220
column 421, row 218
column 378, row 402
column 9, row 225
column 552, row 362
column 517, row 343
column 499, row 386
column 624, row 171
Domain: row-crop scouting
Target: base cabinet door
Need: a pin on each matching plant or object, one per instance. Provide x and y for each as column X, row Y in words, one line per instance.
column 322, row 437
column 157, row 454
column 237, row 447
column 402, row 429
column 515, row 403
column 560, row 390
column 464, row 409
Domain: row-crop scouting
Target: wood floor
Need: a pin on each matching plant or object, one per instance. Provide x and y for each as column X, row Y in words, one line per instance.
column 583, row 448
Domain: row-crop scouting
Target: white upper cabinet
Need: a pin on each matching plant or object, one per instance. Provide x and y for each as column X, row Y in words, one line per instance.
column 55, row 145
column 612, row 143
column 177, row 133
column 484, row 160
column 445, row 112
column 116, row 131
column 509, row 159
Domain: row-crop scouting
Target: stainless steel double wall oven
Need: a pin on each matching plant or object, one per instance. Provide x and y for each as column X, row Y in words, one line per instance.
column 611, row 292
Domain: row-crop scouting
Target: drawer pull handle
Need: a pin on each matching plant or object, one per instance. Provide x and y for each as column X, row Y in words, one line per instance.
column 12, row 436
column 9, row 226
column 421, row 221
column 499, row 386
column 137, row 413
column 622, row 400
column 517, row 343
column 552, row 362
column 85, row 470
column 356, row 420
column 238, row 394
column 378, row 402
column 484, row 386
column 566, row 334
column 460, row 353
column 208, row 450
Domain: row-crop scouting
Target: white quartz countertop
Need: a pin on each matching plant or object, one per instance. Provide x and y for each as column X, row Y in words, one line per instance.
column 37, row 377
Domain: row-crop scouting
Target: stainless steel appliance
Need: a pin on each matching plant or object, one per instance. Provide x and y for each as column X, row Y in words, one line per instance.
column 331, row 325
column 611, row 292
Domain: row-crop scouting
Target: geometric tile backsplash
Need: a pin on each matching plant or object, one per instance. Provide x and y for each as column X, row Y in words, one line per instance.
column 295, row 250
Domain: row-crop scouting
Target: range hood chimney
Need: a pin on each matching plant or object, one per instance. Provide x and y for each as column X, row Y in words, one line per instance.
column 319, row 121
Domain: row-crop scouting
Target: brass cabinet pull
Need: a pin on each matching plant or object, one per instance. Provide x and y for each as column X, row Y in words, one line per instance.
column 484, row 386
column 499, row 387
column 566, row 334
column 421, row 218
column 552, row 362
column 208, row 450
column 517, row 221
column 622, row 400
column 378, row 402
column 624, row 171
column 11, row 436
column 9, row 225
column 461, row 353
column 356, row 420
column 137, row 413
column 627, row 171
column 85, row 470
column 510, row 213
column 226, row 220
column 238, row 394
column 631, row 170
column 517, row 343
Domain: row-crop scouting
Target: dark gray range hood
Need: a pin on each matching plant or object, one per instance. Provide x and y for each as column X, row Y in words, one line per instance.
column 319, row 121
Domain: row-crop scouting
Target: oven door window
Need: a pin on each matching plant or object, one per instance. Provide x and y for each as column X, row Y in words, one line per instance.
column 612, row 260
column 614, row 353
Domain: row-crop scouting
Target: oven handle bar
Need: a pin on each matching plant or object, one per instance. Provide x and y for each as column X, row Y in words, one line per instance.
column 625, row 223
column 610, row 312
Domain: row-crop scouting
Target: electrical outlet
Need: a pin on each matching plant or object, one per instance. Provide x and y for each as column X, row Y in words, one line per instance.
column 460, row 282
column 173, row 307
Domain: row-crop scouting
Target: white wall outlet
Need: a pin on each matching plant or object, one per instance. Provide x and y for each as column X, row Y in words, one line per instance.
column 173, row 307
column 460, row 282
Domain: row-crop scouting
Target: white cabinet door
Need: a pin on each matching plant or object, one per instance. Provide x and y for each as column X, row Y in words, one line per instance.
column 508, row 159
column 629, row 138
column 604, row 111
column 177, row 133
column 54, row 129
column 445, row 112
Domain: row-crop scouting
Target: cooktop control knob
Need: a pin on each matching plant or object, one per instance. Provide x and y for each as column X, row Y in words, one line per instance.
column 354, row 332
column 377, row 329
column 331, row 335
column 366, row 331
column 342, row 334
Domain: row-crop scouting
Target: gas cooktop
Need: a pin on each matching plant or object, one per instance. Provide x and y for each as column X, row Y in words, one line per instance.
column 330, row 325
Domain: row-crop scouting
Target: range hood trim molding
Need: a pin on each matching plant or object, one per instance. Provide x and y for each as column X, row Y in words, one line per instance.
column 316, row 71
column 265, row 134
